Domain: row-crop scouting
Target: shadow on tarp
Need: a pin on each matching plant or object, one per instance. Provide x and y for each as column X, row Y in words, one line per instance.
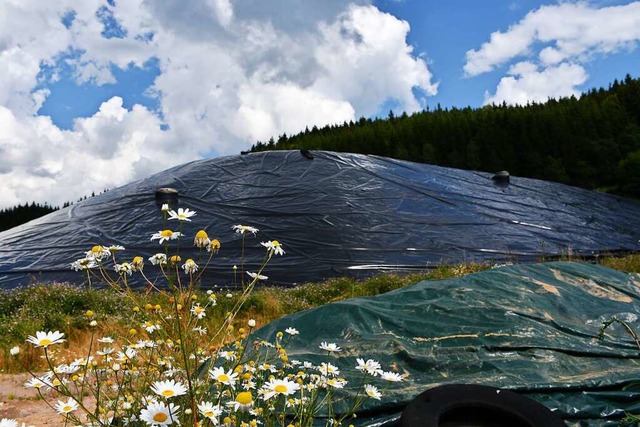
column 337, row 214
column 531, row 328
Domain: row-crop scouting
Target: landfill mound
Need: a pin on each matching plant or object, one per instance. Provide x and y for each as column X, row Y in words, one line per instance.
column 336, row 214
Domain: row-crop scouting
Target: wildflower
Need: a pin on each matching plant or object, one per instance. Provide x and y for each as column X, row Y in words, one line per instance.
column 275, row 386
column 166, row 235
column 150, row 327
column 331, row 348
column 84, row 264
column 200, row 330
column 202, row 239
column 45, row 339
column 257, row 276
column 252, row 323
column 372, row 391
column 328, row 369
column 209, row 410
column 190, row 266
column 174, row 259
column 168, row 388
column 98, row 253
column 65, row 407
column 165, row 207
column 6, row 422
column 228, row 378
column 228, row 355
column 158, row 259
column 198, row 311
column 391, row 377
column 243, row 402
column 371, row 367
column 274, row 247
column 137, row 263
column 115, row 248
column 182, row 214
column 106, row 340
column 229, row 295
column 159, row 414
column 242, row 229
column 124, row 268
column 93, row 323
column 336, row 382
column 14, row 350
column 36, row 382
column 292, row 331
column 213, row 246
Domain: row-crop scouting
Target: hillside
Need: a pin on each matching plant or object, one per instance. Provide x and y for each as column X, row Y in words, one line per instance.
column 592, row 142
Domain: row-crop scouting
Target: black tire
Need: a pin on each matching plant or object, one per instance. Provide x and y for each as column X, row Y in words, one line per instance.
column 471, row 405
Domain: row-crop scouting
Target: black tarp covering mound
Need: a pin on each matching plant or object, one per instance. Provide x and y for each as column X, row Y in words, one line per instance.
column 531, row 328
column 336, row 214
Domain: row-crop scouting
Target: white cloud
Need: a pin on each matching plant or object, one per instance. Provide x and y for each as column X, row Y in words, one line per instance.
column 560, row 40
column 230, row 73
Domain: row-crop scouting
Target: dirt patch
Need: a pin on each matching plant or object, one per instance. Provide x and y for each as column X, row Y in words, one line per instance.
column 22, row 404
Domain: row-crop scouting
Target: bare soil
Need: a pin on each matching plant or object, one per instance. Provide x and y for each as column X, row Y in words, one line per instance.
column 22, row 404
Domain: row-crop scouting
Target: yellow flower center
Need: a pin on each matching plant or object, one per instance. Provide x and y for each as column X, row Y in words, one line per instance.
column 166, row 233
column 45, row 341
column 244, row 398
column 97, row 249
column 167, row 393
column 275, row 243
column 175, row 259
column 199, row 310
column 202, row 235
column 160, row 417
column 223, row 378
column 208, row 414
column 280, row 388
column 66, row 408
column 215, row 243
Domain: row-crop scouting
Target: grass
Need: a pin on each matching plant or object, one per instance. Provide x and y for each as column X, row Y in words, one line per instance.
column 62, row 307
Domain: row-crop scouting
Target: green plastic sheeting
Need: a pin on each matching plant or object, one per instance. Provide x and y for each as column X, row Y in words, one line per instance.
column 531, row 328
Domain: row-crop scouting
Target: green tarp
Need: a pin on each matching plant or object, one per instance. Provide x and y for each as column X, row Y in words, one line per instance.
column 532, row 328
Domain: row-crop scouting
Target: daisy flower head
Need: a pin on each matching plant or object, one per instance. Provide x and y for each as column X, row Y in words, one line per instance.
column 198, row 311
column 372, row 391
column 65, row 407
column 257, row 276
column 168, row 388
column 336, row 382
column 328, row 369
column 243, row 229
column 392, row 377
column 209, row 410
column 274, row 387
column 166, row 235
column 182, row 214
column 123, row 269
column 159, row 414
column 371, row 367
column 45, row 339
column 273, row 247
column 213, row 246
column 292, row 331
column 115, row 248
column 243, row 402
column 190, row 266
column 227, row 378
column 84, row 264
column 137, row 263
column 330, row 347
column 201, row 240
column 6, row 422
column 14, row 350
column 158, row 259
column 98, row 253
column 36, row 382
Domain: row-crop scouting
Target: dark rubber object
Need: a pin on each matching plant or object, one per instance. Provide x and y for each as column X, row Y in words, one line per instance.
column 469, row 405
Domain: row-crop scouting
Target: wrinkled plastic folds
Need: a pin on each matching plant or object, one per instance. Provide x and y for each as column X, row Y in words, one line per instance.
column 531, row 328
column 335, row 214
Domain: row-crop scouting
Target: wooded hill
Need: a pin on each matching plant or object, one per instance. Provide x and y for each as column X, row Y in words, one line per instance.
column 592, row 142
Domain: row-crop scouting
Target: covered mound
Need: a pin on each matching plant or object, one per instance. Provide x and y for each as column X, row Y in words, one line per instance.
column 336, row 214
column 530, row 328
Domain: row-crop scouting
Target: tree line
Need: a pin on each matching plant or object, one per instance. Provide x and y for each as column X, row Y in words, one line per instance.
column 592, row 142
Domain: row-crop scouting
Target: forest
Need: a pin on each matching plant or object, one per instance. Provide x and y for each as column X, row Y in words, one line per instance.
column 592, row 142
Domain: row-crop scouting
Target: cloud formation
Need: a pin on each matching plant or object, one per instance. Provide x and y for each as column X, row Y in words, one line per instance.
column 230, row 73
column 553, row 43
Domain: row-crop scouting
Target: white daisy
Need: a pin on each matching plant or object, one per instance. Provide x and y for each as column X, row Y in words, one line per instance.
column 257, row 276
column 372, row 391
column 336, row 382
column 209, row 410
column 65, row 407
column 168, row 388
column 274, row 247
column 391, row 377
column 6, row 422
column 275, row 387
column 98, row 253
column 45, row 339
column 182, row 214
column 292, row 331
column 158, row 259
column 14, row 350
column 84, row 264
column 328, row 369
column 159, row 414
column 371, row 367
column 124, row 268
column 242, row 229
column 331, row 347
column 190, row 266
column 166, row 235
column 227, row 378
column 198, row 311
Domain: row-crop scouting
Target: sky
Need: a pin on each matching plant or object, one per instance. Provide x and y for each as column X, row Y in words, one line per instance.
column 95, row 94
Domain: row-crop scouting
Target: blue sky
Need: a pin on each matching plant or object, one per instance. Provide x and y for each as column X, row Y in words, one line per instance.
column 98, row 93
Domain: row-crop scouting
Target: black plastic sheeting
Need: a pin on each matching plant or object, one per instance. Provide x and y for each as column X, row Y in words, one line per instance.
column 530, row 328
column 336, row 214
